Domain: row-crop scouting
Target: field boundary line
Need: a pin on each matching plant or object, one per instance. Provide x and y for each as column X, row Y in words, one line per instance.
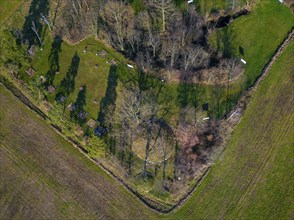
column 30, row 105
column 282, row 47
column 244, row 100
column 19, row 95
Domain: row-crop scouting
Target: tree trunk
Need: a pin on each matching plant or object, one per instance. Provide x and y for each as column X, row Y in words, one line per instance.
column 163, row 18
column 164, row 168
column 130, row 161
column 130, row 158
column 144, row 173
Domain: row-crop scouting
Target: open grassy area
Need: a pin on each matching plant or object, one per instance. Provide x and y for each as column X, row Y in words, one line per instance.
column 92, row 70
column 254, row 177
column 208, row 7
column 256, row 36
column 7, row 8
column 43, row 176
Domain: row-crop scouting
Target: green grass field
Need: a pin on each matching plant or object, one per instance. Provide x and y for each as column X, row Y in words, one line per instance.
column 95, row 78
column 257, row 34
column 7, row 8
column 253, row 179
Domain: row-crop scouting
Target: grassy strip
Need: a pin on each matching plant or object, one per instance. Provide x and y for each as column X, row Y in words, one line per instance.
column 254, row 177
column 255, row 37
column 7, row 8
column 9, row 85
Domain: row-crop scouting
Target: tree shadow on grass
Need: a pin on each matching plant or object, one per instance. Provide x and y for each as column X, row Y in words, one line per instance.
column 37, row 9
column 217, row 107
column 188, row 97
column 108, row 101
column 227, row 38
column 137, row 79
column 182, row 100
column 67, row 85
column 53, row 60
column 79, row 113
column 224, row 41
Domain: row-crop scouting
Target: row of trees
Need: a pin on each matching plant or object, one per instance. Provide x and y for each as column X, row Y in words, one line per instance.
column 140, row 120
column 159, row 37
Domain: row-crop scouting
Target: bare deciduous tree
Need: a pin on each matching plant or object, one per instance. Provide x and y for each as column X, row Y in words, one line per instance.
column 133, row 119
column 81, row 17
column 164, row 8
column 154, row 43
column 144, row 60
column 136, row 114
column 93, row 17
column 193, row 56
column 133, row 38
column 119, row 17
column 165, row 144
column 189, row 27
column 145, row 22
column 170, row 51
column 233, row 67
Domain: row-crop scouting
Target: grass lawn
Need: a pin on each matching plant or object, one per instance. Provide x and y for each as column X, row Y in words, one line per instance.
column 254, row 177
column 95, row 78
column 7, row 8
column 257, row 34
column 208, row 6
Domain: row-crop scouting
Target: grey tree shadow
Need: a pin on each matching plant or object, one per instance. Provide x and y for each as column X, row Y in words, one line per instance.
column 110, row 96
column 224, row 42
column 53, row 60
column 67, row 85
column 79, row 113
column 37, row 9
column 188, row 96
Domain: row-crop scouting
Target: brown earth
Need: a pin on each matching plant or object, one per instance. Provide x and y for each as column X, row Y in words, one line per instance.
column 43, row 176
